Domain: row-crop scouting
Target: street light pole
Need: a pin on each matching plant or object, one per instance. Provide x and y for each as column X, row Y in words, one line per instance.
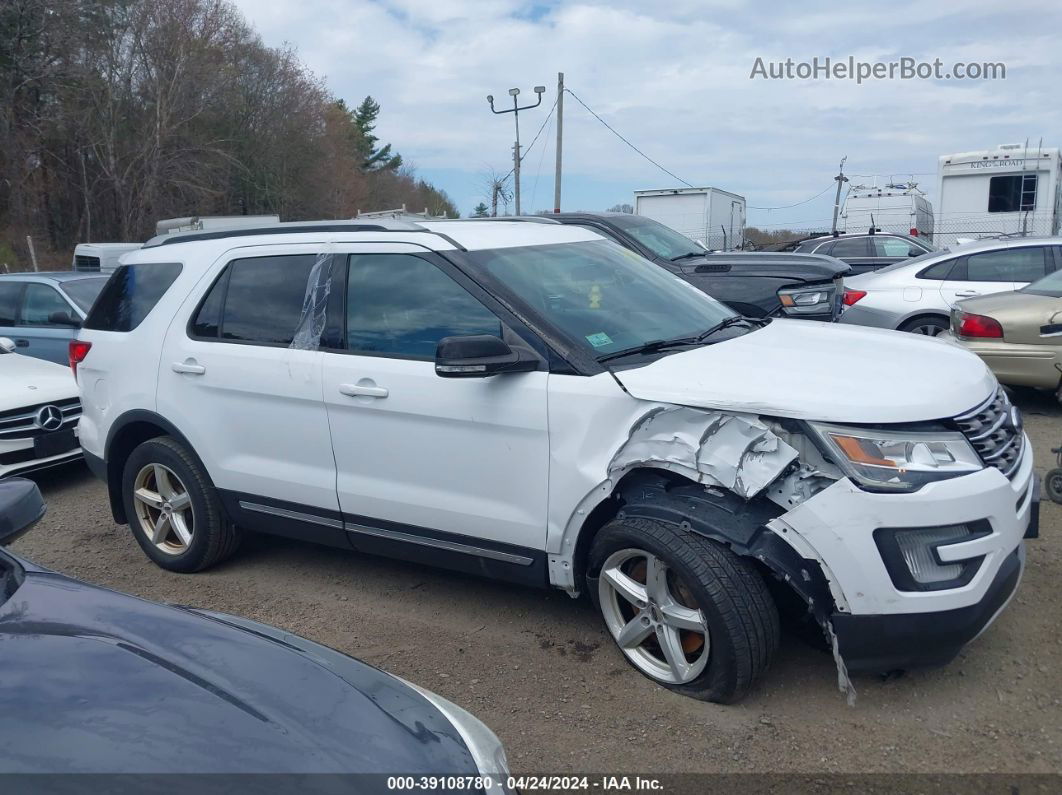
column 515, row 110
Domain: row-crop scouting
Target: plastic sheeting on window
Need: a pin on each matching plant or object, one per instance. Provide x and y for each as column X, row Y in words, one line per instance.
column 318, row 288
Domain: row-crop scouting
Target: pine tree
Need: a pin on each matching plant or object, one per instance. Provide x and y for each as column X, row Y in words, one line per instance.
column 481, row 210
column 373, row 158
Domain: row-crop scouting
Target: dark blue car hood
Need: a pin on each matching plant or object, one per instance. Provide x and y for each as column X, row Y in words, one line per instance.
column 96, row 681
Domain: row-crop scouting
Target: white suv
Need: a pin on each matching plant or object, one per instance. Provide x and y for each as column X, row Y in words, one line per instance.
column 535, row 403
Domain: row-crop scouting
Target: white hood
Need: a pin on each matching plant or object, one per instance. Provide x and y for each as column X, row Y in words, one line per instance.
column 820, row 371
column 25, row 381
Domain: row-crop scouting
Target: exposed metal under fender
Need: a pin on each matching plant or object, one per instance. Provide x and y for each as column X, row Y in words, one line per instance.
column 737, row 452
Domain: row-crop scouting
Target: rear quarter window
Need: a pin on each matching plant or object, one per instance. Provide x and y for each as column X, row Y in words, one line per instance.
column 130, row 295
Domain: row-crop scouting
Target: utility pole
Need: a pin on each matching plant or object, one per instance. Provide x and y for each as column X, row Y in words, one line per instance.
column 515, row 110
column 841, row 179
column 560, row 127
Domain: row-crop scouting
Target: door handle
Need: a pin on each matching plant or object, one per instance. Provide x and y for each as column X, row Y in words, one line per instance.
column 966, row 293
column 21, row 343
column 357, row 390
column 189, row 367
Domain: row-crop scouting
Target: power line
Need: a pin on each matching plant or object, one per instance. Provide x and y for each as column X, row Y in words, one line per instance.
column 632, row 146
column 787, row 206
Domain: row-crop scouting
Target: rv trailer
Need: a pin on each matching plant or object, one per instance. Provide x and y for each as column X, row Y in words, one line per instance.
column 897, row 208
column 1012, row 190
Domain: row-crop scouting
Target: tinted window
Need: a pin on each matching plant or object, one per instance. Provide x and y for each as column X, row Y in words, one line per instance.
column 939, row 271
column 9, row 292
column 402, row 305
column 264, row 299
column 892, row 247
column 662, row 241
column 83, row 292
column 130, row 294
column 856, row 247
column 1049, row 285
column 1007, row 265
column 1011, row 194
column 39, row 303
column 207, row 320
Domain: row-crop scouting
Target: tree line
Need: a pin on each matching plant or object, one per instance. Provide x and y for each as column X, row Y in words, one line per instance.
column 116, row 114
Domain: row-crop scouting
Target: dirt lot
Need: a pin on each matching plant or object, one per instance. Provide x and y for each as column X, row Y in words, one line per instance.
column 539, row 669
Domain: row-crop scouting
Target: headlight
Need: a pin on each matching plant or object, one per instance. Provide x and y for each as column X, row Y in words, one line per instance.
column 487, row 751
column 897, row 460
column 807, row 300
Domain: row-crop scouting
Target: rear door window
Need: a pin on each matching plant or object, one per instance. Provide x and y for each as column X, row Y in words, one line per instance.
column 938, row 272
column 130, row 294
column 892, row 247
column 1007, row 265
column 856, row 247
column 257, row 300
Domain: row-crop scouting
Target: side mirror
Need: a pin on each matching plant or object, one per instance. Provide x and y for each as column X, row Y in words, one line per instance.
column 7, row 344
column 479, row 356
column 21, row 507
column 63, row 319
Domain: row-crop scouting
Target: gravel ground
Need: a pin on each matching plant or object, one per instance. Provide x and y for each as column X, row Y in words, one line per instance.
column 540, row 670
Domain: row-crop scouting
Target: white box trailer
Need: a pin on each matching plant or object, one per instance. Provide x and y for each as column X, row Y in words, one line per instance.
column 713, row 217
column 899, row 208
column 99, row 257
column 1014, row 189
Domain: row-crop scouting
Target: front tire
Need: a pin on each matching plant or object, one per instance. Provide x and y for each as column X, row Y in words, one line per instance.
column 1053, row 484
column 174, row 510
column 685, row 611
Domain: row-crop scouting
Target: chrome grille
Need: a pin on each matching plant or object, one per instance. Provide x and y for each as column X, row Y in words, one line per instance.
column 21, row 423
column 995, row 430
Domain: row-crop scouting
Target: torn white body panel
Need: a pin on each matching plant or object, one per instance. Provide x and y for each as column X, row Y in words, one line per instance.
column 737, row 452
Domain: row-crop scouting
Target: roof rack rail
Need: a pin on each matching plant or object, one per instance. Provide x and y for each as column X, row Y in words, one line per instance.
column 289, row 227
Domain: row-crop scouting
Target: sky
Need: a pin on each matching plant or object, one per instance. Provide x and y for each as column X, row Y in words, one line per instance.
column 674, row 80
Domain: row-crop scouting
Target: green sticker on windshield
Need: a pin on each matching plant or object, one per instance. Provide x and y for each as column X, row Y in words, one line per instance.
column 599, row 340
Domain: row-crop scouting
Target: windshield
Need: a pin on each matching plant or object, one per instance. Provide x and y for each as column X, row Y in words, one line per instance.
column 1050, row 285
column 663, row 241
column 600, row 295
column 83, row 292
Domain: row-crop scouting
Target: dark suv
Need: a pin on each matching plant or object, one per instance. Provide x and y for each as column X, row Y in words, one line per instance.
column 866, row 252
column 756, row 284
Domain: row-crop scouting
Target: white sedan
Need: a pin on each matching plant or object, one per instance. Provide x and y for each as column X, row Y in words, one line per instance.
column 918, row 294
column 39, row 410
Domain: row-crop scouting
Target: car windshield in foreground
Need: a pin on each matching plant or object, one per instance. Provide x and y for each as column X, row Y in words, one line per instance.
column 602, row 296
column 1050, row 285
column 663, row 241
column 83, row 292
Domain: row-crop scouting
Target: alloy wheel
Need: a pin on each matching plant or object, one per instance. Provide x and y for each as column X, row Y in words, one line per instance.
column 653, row 617
column 163, row 509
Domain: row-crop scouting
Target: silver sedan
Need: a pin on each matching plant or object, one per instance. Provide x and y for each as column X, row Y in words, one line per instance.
column 918, row 294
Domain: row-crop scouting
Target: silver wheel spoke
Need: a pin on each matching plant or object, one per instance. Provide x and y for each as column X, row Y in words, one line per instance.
column 681, row 617
column 181, row 529
column 149, row 497
column 656, row 580
column 161, row 530
column 671, row 645
column 162, row 482
column 180, row 501
column 629, row 589
column 635, row 632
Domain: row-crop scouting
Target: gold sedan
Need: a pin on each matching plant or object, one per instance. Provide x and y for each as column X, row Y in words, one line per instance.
column 1018, row 334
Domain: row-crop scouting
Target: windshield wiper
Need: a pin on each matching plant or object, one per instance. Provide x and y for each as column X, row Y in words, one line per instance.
column 731, row 321
column 689, row 255
column 649, row 347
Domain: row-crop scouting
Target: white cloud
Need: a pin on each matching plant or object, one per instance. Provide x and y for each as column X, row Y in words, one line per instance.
column 674, row 78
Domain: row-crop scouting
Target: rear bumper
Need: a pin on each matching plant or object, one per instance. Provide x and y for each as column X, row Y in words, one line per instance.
column 1016, row 364
column 877, row 643
column 96, row 465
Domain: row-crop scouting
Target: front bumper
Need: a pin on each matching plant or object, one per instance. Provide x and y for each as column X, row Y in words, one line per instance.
column 836, row 529
column 878, row 643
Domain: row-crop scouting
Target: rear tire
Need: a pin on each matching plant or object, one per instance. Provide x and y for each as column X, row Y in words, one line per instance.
column 174, row 510
column 695, row 578
column 1053, row 484
column 929, row 326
